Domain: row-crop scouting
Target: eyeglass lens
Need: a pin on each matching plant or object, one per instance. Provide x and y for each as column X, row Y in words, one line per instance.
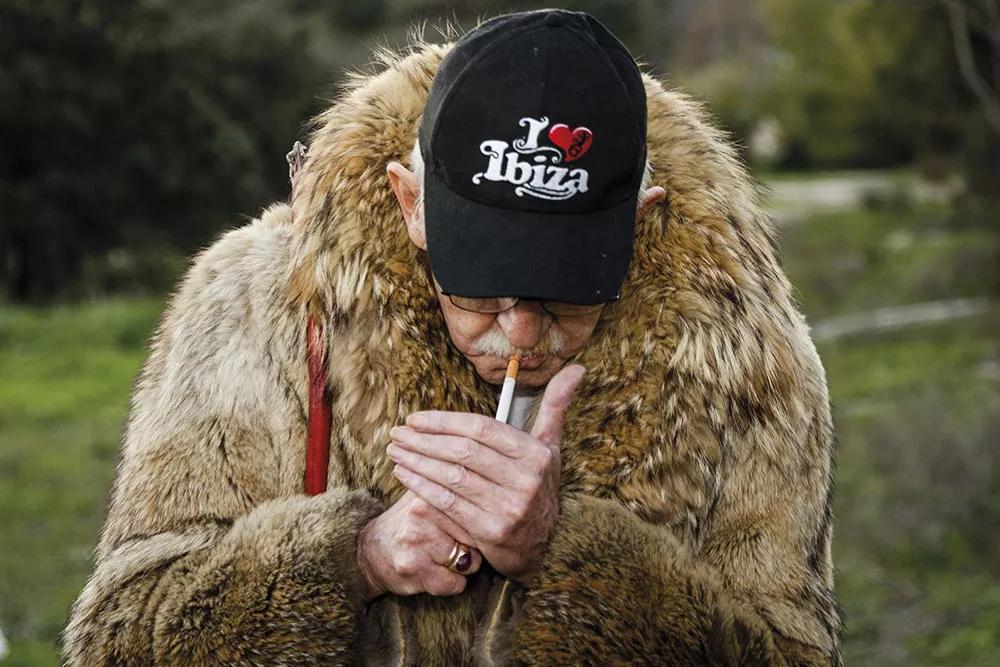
column 499, row 304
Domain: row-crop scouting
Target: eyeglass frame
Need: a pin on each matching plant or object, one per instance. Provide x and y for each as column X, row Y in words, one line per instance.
column 541, row 302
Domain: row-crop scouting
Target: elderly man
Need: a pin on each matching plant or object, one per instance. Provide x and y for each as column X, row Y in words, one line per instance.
column 669, row 505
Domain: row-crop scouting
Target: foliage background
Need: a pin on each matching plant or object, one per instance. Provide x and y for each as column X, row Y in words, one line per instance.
column 134, row 132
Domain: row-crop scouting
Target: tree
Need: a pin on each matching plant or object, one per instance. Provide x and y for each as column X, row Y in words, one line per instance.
column 135, row 129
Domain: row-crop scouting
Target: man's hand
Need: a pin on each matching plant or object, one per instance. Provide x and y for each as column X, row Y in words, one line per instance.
column 404, row 549
column 499, row 484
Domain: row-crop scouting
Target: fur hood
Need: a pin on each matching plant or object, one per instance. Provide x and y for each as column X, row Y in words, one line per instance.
column 704, row 342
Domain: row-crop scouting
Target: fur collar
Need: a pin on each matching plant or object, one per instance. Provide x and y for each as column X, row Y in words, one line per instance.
column 704, row 343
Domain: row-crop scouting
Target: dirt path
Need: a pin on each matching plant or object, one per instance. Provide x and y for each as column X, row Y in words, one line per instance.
column 890, row 318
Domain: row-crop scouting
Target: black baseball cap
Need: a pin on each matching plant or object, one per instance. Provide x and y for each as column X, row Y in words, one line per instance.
column 534, row 141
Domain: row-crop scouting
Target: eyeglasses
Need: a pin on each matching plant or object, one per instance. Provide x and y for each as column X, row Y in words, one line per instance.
column 494, row 305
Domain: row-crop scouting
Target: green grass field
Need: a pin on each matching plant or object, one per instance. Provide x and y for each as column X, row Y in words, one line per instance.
column 65, row 378
column 918, row 413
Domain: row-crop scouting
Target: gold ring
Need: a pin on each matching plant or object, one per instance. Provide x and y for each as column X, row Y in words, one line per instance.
column 460, row 558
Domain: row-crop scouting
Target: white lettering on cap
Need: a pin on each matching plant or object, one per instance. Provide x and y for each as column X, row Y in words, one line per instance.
column 540, row 175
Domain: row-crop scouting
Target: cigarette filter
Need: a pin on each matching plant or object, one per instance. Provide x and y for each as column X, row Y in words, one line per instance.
column 507, row 392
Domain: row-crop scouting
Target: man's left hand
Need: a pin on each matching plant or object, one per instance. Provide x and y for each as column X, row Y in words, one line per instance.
column 498, row 483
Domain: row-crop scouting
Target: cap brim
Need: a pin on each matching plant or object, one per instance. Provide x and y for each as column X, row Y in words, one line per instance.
column 486, row 251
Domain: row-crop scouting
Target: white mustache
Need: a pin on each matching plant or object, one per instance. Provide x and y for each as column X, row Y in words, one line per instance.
column 495, row 343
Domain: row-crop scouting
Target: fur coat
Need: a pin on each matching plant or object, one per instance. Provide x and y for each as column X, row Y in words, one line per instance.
column 696, row 460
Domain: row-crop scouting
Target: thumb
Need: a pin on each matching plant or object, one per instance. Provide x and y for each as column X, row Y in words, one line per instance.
column 558, row 394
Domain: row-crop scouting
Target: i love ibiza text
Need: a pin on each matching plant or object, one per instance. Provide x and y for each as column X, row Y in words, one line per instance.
column 534, row 169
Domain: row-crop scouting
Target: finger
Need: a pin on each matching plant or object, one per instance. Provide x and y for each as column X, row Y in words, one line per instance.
column 485, row 461
column 443, row 549
column 505, row 439
column 447, row 526
column 441, row 582
column 558, row 394
column 453, row 530
column 457, row 478
column 476, row 522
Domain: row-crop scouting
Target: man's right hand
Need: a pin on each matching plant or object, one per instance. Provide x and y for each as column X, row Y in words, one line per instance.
column 403, row 550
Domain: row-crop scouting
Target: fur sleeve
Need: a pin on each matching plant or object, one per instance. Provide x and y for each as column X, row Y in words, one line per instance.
column 617, row 590
column 280, row 586
column 206, row 557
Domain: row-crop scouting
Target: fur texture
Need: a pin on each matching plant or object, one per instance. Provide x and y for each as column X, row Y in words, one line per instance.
column 697, row 457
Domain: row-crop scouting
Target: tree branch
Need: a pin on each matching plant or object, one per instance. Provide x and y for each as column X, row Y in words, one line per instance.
column 991, row 22
column 959, row 19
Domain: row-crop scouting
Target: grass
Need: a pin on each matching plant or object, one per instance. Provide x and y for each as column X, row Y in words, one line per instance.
column 889, row 368
column 861, row 259
column 917, row 414
column 65, row 379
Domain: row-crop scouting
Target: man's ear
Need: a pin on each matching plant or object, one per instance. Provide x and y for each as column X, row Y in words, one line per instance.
column 407, row 190
column 649, row 198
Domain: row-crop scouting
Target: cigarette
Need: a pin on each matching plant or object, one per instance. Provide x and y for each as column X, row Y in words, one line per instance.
column 507, row 392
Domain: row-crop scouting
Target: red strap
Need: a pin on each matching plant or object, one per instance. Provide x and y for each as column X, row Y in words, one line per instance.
column 318, row 446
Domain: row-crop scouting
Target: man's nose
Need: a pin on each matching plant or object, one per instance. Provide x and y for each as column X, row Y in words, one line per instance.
column 524, row 324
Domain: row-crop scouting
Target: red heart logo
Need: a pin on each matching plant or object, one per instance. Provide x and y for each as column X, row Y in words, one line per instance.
column 574, row 143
